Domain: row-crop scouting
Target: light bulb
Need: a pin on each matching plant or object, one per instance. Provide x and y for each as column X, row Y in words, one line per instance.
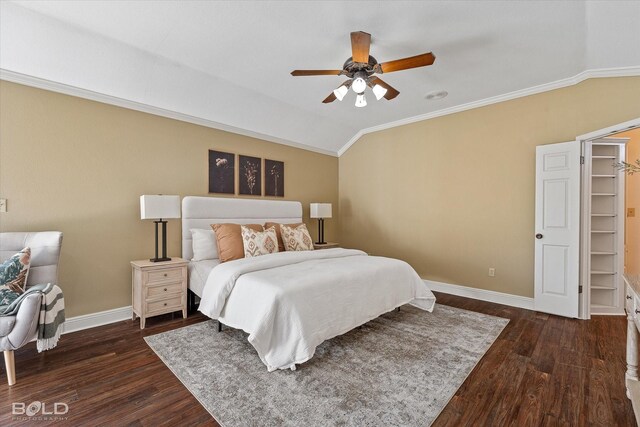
column 379, row 91
column 360, row 100
column 359, row 85
column 340, row 92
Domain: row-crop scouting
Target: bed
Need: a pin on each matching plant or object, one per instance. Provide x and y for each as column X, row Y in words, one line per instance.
column 291, row 302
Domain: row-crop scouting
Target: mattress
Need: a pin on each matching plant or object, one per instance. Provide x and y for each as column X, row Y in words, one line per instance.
column 290, row 302
column 198, row 273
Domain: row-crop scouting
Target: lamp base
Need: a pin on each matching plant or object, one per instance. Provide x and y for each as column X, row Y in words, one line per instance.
column 160, row 259
column 320, row 243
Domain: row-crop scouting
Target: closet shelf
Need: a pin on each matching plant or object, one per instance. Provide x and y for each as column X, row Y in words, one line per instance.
column 602, row 248
column 600, row 306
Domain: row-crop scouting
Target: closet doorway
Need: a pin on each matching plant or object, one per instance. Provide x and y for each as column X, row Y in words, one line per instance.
column 587, row 224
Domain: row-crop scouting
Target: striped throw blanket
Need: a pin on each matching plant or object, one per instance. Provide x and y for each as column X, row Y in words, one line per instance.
column 51, row 317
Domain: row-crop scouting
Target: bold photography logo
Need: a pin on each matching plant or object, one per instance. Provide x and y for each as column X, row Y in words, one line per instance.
column 39, row 409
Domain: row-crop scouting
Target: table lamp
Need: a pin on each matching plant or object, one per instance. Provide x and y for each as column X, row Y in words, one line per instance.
column 320, row 211
column 159, row 208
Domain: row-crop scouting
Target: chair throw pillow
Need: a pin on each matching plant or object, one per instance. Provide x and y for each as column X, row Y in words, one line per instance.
column 258, row 243
column 13, row 276
column 296, row 238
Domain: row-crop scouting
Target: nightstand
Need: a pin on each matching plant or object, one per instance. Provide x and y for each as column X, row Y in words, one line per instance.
column 158, row 288
column 327, row 245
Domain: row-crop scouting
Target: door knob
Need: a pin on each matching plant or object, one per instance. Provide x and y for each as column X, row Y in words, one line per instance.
column 538, row 236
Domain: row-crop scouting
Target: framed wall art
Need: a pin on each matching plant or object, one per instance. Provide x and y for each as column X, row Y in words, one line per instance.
column 250, row 175
column 222, row 172
column 273, row 178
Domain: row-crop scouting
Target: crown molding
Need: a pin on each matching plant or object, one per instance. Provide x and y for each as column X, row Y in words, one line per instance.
column 37, row 82
column 24, row 79
column 558, row 84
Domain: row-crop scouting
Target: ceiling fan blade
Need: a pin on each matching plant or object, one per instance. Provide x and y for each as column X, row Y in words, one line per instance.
column 329, row 98
column 360, row 44
column 407, row 63
column 316, row 72
column 391, row 92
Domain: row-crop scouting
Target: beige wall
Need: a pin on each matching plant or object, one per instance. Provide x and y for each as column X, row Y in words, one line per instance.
column 454, row 195
column 80, row 166
column 632, row 200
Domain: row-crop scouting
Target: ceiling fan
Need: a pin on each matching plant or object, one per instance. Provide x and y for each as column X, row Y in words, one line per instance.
column 361, row 67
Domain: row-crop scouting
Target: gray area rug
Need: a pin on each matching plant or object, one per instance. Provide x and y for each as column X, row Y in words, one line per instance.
column 399, row 369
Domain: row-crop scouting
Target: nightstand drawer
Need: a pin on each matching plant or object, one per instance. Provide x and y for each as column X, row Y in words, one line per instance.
column 158, row 291
column 164, row 275
column 173, row 303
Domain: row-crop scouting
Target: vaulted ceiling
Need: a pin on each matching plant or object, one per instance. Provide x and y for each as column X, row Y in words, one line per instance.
column 226, row 64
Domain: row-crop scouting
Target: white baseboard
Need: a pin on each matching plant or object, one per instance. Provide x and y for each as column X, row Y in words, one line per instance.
column 481, row 294
column 86, row 321
column 100, row 318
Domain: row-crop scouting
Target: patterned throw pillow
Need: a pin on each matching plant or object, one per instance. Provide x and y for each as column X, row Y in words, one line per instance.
column 258, row 243
column 13, row 276
column 296, row 238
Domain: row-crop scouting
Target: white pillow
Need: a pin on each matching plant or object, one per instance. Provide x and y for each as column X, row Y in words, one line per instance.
column 258, row 243
column 205, row 245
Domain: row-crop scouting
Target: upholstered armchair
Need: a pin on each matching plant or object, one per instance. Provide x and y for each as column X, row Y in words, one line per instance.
column 16, row 331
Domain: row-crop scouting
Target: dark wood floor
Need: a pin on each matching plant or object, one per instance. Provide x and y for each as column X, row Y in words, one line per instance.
column 542, row 370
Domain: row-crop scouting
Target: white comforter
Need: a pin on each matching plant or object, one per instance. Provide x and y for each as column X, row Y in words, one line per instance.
column 291, row 302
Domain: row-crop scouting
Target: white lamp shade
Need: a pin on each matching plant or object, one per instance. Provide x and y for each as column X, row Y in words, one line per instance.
column 320, row 210
column 359, row 85
column 379, row 91
column 340, row 92
column 159, row 206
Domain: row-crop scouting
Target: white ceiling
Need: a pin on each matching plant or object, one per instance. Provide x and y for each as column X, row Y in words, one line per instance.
column 228, row 63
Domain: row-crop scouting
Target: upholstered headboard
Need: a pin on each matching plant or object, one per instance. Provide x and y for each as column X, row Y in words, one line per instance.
column 201, row 212
column 45, row 253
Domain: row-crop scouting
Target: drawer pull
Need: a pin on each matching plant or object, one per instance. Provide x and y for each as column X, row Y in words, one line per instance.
column 637, row 311
column 165, row 304
column 165, row 289
column 629, row 297
column 165, row 274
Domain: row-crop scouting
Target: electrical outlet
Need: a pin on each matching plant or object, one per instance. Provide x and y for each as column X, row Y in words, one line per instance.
column 3, row 205
column 631, row 212
column 492, row 272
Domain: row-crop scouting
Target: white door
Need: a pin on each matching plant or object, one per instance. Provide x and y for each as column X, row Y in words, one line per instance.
column 557, row 232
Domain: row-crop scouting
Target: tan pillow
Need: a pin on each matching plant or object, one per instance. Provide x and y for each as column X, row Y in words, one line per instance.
column 229, row 237
column 296, row 238
column 277, row 226
column 258, row 243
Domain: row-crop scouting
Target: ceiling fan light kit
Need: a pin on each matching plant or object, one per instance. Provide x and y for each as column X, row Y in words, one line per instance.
column 361, row 67
column 361, row 101
column 341, row 92
column 379, row 91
